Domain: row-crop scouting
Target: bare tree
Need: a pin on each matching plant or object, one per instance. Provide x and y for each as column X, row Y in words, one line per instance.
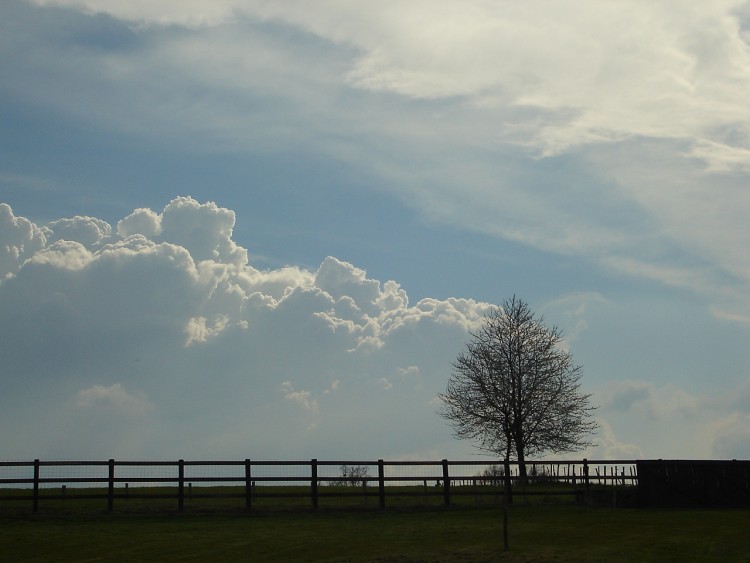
column 354, row 476
column 494, row 475
column 515, row 390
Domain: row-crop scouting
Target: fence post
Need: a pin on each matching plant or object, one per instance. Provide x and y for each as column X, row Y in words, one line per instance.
column 248, row 485
column 586, row 473
column 381, row 483
column 446, row 484
column 314, row 482
column 181, row 485
column 35, row 497
column 111, row 486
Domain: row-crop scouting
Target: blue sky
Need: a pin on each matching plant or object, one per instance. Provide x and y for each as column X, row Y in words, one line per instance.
column 262, row 229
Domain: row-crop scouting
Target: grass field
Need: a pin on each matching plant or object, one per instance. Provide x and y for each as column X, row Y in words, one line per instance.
column 558, row 532
column 218, row 498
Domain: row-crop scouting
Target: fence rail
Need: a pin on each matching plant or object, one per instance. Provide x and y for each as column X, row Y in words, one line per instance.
column 250, row 481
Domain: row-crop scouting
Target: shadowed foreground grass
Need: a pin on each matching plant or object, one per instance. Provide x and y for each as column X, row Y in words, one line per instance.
column 537, row 533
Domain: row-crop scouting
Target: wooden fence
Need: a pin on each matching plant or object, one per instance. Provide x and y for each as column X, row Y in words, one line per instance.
column 694, row 483
column 251, row 481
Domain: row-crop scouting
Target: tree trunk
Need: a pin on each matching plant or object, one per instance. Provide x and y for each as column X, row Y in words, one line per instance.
column 522, row 476
column 508, row 481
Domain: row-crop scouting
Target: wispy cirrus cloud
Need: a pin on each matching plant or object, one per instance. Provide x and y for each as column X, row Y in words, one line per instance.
column 523, row 122
column 571, row 76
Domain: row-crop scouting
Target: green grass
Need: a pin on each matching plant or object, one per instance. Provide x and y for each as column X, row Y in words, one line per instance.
column 274, row 497
column 558, row 532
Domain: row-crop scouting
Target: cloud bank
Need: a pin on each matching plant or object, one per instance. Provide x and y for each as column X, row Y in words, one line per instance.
column 163, row 333
column 158, row 338
column 588, row 73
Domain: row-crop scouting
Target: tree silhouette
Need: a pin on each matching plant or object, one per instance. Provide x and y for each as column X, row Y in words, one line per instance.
column 516, row 390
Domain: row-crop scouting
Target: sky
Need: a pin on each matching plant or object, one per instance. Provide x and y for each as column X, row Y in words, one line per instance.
column 253, row 229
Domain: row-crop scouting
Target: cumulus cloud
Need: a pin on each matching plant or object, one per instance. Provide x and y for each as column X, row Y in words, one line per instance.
column 610, row 447
column 411, row 371
column 88, row 231
column 63, row 255
column 196, row 329
column 385, row 383
column 205, row 230
column 140, row 222
column 226, row 358
column 19, row 240
column 302, row 398
column 168, row 305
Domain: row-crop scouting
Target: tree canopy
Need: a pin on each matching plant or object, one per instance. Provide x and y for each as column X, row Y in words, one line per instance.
column 515, row 388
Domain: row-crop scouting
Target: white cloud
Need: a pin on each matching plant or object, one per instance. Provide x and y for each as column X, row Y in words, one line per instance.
column 573, row 308
column 197, row 330
column 616, row 132
column 303, row 398
column 627, row 393
column 209, row 345
column 730, row 316
column 731, row 437
column 64, row 255
column 19, row 240
column 720, row 157
column 334, row 387
column 205, row 230
column 657, row 401
column 587, row 73
column 411, row 371
column 89, row 231
column 113, row 398
column 613, row 133
column 385, row 383
column 341, row 279
column 668, row 421
column 211, row 342
column 609, row 447
column 140, row 222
